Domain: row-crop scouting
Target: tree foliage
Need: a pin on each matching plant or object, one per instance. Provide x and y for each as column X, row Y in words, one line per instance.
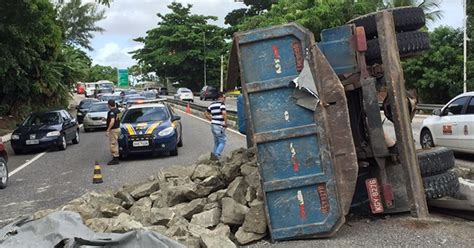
column 99, row 72
column 437, row 73
column 79, row 22
column 176, row 48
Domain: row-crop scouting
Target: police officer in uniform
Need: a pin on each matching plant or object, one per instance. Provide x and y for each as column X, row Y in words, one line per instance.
column 113, row 130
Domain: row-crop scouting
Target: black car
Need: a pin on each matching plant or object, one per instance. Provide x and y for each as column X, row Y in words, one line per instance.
column 208, row 92
column 84, row 107
column 45, row 130
column 3, row 166
column 163, row 91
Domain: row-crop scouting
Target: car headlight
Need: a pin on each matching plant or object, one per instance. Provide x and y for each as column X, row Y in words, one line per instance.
column 53, row 134
column 15, row 137
column 166, row 131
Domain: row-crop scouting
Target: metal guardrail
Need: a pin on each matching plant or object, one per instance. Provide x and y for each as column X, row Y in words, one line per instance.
column 231, row 113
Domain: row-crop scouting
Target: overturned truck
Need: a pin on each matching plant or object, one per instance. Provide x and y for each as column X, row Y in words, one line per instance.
column 312, row 112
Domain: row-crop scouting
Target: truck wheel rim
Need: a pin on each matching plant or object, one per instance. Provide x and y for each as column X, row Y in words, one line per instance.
column 3, row 172
column 64, row 142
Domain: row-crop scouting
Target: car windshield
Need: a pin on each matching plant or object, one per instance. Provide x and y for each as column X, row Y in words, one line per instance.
column 185, row 91
column 150, row 114
column 108, row 97
column 87, row 104
column 99, row 107
column 149, row 94
column 43, row 119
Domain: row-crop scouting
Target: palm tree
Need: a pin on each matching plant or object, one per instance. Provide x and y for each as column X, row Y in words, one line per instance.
column 430, row 7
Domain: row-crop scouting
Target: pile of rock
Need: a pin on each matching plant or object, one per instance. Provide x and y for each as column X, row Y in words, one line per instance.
column 209, row 204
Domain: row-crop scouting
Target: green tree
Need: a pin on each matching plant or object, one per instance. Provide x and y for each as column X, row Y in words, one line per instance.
column 437, row 73
column 79, row 22
column 100, row 72
column 177, row 47
column 314, row 15
column 30, row 45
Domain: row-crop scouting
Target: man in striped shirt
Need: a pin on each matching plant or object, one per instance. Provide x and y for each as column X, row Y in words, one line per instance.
column 216, row 113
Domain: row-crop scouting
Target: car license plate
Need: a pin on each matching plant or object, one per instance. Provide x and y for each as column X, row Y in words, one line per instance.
column 141, row 143
column 375, row 197
column 32, row 142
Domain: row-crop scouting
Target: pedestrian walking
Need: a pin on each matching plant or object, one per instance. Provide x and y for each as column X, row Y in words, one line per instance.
column 216, row 113
column 113, row 130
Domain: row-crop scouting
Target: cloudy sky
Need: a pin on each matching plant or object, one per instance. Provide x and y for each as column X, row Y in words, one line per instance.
column 128, row 19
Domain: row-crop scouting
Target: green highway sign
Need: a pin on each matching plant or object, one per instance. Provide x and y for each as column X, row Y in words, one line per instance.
column 122, row 77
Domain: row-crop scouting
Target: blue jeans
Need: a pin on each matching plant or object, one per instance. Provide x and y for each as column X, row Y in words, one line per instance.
column 219, row 139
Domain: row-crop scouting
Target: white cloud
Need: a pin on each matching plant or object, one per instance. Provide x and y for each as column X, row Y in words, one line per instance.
column 112, row 54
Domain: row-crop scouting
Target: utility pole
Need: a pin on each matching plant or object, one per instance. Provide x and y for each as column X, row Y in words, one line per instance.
column 222, row 73
column 465, row 46
column 205, row 67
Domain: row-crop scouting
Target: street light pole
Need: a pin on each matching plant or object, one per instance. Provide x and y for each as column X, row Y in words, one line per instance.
column 465, row 46
column 204, row 45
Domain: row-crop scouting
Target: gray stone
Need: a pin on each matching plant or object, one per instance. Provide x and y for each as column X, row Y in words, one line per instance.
column 43, row 213
column 259, row 193
column 204, row 158
column 123, row 223
column 99, row 224
column 178, row 171
column 127, row 199
column 178, row 220
column 145, row 202
column 86, row 211
column 160, row 199
column 237, row 190
column 233, row 213
column 141, row 214
column 197, row 231
column 181, row 194
column 177, row 231
column 248, row 169
column 187, row 210
column 110, row 210
column 178, row 181
column 161, row 216
column 213, row 181
column 208, row 218
column 157, row 229
column 251, row 194
column 216, row 196
column 145, row 189
column 253, row 179
column 189, row 241
column 203, row 171
column 255, row 220
column 211, row 205
column 218, row 238
column 231, row 170
column 244, row 237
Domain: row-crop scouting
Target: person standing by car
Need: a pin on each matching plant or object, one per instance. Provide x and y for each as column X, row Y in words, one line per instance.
column 216, row 113
column 113, row 131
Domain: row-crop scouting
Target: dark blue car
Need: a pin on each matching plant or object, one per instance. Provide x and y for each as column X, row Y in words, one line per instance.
column 45, row 130
column 150, row 128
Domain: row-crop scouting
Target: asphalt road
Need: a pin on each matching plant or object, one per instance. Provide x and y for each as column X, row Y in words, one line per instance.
column 57, row 177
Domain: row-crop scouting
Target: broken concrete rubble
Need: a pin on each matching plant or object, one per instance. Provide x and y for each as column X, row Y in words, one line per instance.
column 197, row 205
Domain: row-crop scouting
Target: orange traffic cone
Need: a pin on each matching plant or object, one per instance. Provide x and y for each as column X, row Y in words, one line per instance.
column 97, row 174
column 188, row 109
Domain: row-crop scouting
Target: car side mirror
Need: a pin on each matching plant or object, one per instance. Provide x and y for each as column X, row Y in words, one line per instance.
column 436, row 112
column 176, row 118
column 445, row 112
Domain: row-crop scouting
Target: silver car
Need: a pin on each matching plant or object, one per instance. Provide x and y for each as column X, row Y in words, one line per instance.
column 96, row 117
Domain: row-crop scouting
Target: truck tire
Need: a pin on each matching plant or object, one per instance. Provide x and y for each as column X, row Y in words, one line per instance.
column 435, row 160
column 441, row 185
column 404, row 18
column 409, row 43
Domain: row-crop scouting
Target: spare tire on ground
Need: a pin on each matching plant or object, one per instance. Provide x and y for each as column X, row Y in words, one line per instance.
column 409, row 43
column 441, row 185
column 435, row 160
column 404, row 18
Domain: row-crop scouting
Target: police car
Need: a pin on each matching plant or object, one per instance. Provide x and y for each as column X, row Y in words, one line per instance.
column 150, row 128
column 451, row 126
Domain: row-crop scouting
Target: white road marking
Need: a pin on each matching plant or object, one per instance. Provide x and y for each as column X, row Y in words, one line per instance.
column 201, row 119
column 26, row 164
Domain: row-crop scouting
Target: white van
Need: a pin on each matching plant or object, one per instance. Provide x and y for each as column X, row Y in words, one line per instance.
column 90, row 87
